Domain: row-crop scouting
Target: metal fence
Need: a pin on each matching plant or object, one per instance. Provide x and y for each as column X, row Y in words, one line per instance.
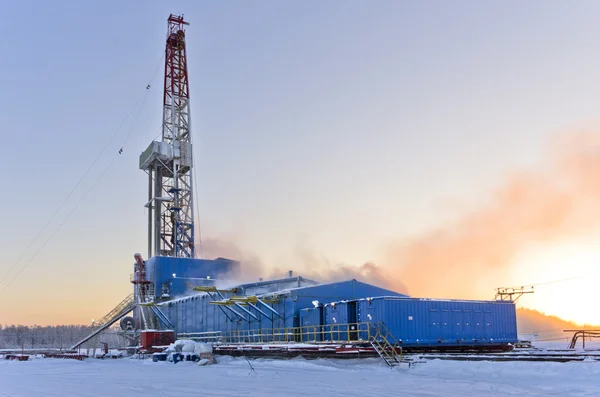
column 206, row 337
column 332, row 333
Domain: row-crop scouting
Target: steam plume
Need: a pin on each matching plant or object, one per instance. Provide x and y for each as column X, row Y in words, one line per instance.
column 559, row 200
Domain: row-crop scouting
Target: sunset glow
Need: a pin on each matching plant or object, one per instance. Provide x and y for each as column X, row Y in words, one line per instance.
column 567, row 277
column 443, row 154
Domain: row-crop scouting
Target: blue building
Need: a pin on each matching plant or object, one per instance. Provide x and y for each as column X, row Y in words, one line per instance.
column 194, row 297
column 175, row 277
column 440, row 323
column 277, row 306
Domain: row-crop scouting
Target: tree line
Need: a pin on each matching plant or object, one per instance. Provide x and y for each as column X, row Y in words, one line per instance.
column 53, row 336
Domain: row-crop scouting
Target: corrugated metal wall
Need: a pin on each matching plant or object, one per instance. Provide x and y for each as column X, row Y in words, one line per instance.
column 184, row 286
column 423, row 322
column 340, row 313
column 195, row 314
column 160, row 269
column 311, row 320
column 336, row 316
column 417, row 322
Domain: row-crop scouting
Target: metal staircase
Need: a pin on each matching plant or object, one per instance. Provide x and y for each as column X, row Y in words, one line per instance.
column 386, row 345
column 112, row 317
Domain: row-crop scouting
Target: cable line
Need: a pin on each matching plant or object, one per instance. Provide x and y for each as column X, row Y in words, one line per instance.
column 70, row 194
column 148, row 86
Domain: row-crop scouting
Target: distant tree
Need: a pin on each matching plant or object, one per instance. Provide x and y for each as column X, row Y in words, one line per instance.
column 54, row 337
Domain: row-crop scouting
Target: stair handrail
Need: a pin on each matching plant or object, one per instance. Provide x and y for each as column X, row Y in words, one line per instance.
column 116, row 310
column 387, row 349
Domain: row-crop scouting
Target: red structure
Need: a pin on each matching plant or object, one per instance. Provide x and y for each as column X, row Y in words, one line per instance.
column 153, row 341
column 17, row 357
column 176, row 75
column 140, row 291
column 169, row 162
column 139, row 276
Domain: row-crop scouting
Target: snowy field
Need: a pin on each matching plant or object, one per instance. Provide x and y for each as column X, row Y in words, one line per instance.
column 297, row 377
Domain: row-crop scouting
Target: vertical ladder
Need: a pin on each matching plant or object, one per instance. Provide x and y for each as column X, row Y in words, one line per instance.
column 385, row 344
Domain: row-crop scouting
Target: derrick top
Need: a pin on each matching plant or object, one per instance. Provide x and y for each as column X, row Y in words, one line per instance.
column 177, row 20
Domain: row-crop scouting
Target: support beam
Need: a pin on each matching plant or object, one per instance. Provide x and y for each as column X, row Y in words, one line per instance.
column 258, row 310
column 271, row 309
column 227, row 307
column 247, row 311
column 223, row 310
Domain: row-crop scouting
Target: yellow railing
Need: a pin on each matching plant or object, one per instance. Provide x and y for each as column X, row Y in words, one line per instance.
column 377, row 335
column 386, row 345
column 333, row 333
column 124, row 304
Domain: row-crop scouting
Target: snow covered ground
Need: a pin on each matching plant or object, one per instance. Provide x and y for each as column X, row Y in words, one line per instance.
column 233, row 377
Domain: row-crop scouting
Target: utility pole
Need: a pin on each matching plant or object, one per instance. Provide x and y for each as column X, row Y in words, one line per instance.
column 512, row 294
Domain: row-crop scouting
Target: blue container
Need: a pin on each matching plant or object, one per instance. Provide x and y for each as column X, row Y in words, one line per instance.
column 311, row 323
column 340, row 313
column 185, row 286
column 160, row 269
column 340, row 321
column 442, row 323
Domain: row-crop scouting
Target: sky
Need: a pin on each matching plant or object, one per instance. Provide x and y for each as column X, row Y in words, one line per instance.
column 327, row 135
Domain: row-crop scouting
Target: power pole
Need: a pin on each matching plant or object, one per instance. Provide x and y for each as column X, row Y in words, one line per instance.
column 512, row 294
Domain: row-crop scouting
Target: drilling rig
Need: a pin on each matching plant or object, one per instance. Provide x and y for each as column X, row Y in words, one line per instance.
column 172, row 268
column 168, row 162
